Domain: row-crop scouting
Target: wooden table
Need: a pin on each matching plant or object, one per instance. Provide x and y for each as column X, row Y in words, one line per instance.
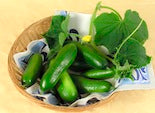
column 16, row 15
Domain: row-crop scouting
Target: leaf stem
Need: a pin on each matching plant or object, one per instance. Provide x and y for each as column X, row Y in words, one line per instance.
column 118, row 50
column 107, row 7
column 98, row 6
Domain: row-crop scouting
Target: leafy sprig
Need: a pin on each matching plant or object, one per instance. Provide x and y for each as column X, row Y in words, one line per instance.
column 120, row 36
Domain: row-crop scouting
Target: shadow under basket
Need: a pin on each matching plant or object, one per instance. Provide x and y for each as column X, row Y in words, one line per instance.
column 33, row 32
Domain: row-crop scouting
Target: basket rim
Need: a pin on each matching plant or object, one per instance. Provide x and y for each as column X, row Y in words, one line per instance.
column 41, row 103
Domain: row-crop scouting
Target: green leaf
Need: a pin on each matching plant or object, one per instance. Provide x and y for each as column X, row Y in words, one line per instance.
column 74, row 36
column 108, row 31
column 130, row 22
column 134, row 52
column 126, row 66
column 52, row 35
column 111, row 31
column 123, row 71
column 64, row 25
column 62, row 38
column 126, row 70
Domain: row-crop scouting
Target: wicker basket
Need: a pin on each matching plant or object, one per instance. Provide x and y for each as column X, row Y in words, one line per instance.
column 34, row 32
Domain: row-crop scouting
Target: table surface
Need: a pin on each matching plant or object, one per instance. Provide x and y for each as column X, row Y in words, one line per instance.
column 16, row 15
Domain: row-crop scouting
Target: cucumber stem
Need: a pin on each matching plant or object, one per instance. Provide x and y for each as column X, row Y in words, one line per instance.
column 98, row 6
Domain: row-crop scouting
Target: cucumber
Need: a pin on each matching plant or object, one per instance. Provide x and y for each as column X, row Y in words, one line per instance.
column 86, row 85
column 99, row 74
column 32, row 70
column 79, row 65
column 66, row 88
column 62, row 62
column 91, row 56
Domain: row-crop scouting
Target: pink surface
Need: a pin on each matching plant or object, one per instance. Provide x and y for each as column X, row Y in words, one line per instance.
column 16, row 15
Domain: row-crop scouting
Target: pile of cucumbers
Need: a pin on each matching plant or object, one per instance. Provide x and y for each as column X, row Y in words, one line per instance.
column 79, row 58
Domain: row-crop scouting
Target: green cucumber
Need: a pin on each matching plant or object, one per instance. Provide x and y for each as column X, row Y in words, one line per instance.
column 79, row 65
column 99, row 74
column 66, row 88
column 91, row 56
column 62, row 62
column 32, row 70
column 86, row 85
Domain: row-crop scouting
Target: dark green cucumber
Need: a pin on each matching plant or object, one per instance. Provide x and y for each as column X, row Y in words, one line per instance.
column 79, row 65
column 66, row 88
column 62, row 62
column 99, row 74
column 32, row 70
column 91, row 56
column 86, row 85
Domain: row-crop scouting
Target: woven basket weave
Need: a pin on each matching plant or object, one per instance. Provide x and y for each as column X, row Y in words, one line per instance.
column 34, row 32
